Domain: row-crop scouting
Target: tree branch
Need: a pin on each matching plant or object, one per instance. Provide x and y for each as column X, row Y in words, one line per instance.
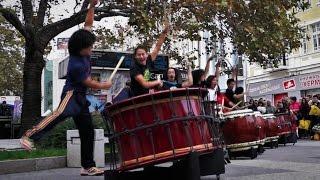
column 50, row 31
column 27, row 11
column 43, row 6
column 110, row 14
column 13, row 19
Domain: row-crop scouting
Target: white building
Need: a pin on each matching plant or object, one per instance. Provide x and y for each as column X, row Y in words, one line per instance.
column 298, row 75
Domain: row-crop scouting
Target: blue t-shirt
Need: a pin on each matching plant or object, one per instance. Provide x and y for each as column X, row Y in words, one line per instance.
column 79, row 69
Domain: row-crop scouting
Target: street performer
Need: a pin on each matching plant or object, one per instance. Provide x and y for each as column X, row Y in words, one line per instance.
column 73, row 99
column 140, row 73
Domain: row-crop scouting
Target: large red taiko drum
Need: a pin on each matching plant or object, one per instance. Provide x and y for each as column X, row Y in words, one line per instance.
column 241, row 131
column 161, row 127
column 272, row 128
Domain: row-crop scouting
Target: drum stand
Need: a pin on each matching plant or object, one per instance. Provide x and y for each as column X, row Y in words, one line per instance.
column 191, row 167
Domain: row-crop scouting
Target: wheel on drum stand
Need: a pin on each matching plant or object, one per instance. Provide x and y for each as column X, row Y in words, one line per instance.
column 253, row 153
column 272, row 145
column 218, row 176
column 231, row 155
column 260, row 149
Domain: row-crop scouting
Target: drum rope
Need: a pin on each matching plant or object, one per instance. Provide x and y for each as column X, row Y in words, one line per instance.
column 177, row 119
column 189, row 106
column 172, row 106
column 186, row 123
column 156, row 117
column 199, row 123
column 107, row 119
column 138, row 120
column 125, row 128
column 150, row 134
column 170, row 139
column 138, row 151
column 135, row 138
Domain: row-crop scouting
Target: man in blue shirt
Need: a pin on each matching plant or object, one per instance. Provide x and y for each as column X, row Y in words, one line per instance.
column 73, row 99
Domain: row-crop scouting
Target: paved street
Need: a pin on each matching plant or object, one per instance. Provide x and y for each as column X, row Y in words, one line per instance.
column 301, row 161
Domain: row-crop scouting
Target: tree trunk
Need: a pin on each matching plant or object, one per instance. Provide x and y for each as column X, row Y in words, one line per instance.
column 32, row 70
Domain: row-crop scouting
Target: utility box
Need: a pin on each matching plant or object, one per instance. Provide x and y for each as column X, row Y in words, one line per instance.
column 74, row 150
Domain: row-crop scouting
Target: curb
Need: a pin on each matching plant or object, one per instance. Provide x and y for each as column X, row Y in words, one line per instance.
column 27, row 165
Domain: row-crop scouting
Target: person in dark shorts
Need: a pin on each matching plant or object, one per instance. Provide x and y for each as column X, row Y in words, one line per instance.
column 73, row 99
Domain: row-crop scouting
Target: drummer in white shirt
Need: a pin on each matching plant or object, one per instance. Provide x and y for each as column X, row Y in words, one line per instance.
column 212, row 84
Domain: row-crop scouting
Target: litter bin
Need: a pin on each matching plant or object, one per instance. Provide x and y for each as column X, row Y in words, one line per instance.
column 73, row 148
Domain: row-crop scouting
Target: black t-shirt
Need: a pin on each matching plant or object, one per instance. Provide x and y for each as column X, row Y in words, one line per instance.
column 145, row 71
column 171, row 85
column 229, row 94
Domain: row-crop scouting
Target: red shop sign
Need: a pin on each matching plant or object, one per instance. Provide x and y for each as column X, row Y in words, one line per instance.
column 290, row 84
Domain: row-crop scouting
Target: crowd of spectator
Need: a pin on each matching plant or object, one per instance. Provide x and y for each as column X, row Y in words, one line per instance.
column 306, row 109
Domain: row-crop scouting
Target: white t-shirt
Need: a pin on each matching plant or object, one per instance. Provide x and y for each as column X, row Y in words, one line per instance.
column 212, row 94
column 262, row 109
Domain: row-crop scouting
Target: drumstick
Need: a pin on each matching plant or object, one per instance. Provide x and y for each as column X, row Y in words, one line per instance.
column 222, row 103
column 116, row 68
column 236, row 104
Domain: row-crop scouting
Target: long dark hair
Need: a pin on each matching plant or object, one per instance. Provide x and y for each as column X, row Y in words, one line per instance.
column 209, row 80
column 178, row 76
column 196, row 75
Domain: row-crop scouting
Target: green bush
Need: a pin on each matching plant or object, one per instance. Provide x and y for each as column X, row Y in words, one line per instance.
column 56, row 138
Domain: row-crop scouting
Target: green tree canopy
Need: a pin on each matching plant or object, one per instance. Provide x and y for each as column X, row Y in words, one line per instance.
column 262, row 29
column 11, row 60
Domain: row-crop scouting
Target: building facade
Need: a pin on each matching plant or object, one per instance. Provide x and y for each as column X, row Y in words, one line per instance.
column 299, row 74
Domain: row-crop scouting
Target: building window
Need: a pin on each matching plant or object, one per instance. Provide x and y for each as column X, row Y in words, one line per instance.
column 316, row 36
column 303, row 46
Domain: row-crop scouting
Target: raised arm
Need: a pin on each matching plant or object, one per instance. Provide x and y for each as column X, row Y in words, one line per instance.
column 206, row 69
column 160, row 41
column 188, row 82
column 218, row 70
column 234, row 72
column 90, row 15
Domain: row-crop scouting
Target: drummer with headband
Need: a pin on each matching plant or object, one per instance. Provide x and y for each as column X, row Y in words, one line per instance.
column 140, row 71
column 73, row 99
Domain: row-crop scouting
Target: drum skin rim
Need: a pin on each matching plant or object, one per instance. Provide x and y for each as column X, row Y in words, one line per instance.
column 165, row 100
column 180, row 92
column 236, row 112
column 241, row 146
column 273, row 138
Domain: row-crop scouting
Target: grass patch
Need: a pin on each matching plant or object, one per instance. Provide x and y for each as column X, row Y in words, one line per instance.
column 12, row 155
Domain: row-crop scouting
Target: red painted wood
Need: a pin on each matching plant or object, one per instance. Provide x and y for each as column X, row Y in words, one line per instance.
column 138, row 145
column 240, row 130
